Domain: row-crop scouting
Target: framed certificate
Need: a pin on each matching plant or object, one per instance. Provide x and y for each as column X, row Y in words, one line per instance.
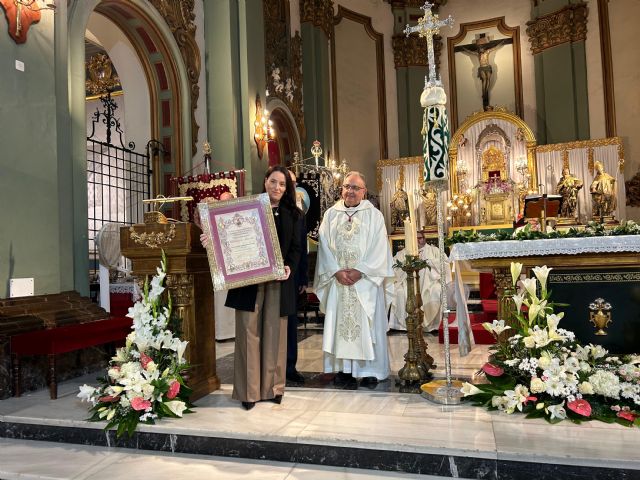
column 243, row 247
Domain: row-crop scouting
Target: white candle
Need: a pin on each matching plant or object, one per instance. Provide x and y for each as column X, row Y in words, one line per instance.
column 412, row 208
column 408, row 232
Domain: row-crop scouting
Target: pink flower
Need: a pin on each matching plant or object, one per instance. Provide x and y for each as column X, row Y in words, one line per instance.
column 493, row 370
column 140, row 403
column 530, row 399
column 581, row 407
column 108, row 398
column 626, row 415
column 145, row 360
column 174, row 388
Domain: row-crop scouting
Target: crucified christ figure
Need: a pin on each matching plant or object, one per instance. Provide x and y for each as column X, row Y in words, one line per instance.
column 482, row 48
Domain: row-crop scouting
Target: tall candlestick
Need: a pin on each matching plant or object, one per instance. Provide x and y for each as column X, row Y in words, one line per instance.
column 412, row 208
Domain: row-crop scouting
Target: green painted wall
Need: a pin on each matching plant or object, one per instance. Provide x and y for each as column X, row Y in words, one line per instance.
column 561, row 87
column 36, row 218
column 222, row 64
column 316, row 88
column 410, row 81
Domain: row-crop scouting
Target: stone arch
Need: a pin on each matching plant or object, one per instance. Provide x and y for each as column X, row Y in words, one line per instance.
column 285, row 123
column 168, row 82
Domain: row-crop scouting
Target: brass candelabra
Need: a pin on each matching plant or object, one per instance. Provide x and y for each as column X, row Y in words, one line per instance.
column 418, row 362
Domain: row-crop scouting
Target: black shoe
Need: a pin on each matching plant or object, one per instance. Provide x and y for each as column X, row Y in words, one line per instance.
column 369, row 382
column 342, row 378
column 277, row 399
column 248, row 405
column 295, row 377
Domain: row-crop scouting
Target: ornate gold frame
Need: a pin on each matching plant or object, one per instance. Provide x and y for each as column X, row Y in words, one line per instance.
column 417, row 160
column 530, row 141
column 465, row 28
column 261, row 201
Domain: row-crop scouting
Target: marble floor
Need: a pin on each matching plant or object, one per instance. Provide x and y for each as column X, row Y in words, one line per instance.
column 385, row 430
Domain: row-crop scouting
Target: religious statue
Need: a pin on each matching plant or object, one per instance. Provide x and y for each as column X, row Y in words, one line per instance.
column 399, row 206
column 482, row 47
column 603, row 193
column 429, row 207
column 568, row 186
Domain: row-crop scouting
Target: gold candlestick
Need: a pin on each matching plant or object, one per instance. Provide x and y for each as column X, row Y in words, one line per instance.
column 417, row 365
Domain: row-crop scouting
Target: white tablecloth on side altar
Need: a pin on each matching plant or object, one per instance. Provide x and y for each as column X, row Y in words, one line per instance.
column 462, row 252
column 550, row 246
column 225, row 317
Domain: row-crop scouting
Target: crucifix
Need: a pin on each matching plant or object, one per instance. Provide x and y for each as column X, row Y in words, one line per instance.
column 428, row 26
column 482, row 47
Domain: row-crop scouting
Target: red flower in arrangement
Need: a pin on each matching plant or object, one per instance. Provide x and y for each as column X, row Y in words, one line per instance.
column 626, row 415
column 581, row 407
column 145, row 360
column 493, row 370
column 108, row 398
column 530, row 399
column 140, row 403
column 174, row 388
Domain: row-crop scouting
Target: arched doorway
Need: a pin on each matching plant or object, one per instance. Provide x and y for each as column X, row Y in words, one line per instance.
column 287, row 138
column 165, row 80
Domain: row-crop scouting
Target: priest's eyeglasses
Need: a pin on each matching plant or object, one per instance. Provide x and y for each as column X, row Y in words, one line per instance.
column 355, row 188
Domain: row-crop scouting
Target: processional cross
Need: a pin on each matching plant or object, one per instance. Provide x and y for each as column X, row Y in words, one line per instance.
column 428, row 26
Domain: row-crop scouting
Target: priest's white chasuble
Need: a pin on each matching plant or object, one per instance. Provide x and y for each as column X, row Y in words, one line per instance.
column 355, row 325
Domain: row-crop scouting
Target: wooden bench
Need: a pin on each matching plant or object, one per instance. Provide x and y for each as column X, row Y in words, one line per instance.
column 69, row 338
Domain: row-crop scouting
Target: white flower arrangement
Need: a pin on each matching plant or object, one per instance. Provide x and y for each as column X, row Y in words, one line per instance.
column 543, row 372
column 144, row 379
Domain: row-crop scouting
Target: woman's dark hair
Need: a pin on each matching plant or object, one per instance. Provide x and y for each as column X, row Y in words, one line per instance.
column 289, row 197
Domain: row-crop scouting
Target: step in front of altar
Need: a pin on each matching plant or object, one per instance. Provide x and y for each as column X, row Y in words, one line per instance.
column 358, row 429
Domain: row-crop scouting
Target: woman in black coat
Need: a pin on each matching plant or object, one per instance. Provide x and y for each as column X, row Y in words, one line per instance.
column 262, row 310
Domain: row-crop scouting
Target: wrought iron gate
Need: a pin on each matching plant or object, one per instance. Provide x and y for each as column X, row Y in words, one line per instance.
column 118, row 177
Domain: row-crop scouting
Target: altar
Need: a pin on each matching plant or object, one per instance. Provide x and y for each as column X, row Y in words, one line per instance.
column 596, row 277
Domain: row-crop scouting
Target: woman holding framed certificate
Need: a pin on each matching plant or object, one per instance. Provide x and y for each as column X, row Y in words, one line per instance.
column 262, row 309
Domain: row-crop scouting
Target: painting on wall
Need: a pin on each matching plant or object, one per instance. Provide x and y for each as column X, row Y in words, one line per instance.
column 484, row 59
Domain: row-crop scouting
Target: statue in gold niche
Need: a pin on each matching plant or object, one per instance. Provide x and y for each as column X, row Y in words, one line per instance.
column 603, row 194
column 429, row 208
column 568, row 186
column 399, row 206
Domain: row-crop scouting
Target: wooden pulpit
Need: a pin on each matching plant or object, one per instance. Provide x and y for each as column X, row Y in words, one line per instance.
column 189, row 283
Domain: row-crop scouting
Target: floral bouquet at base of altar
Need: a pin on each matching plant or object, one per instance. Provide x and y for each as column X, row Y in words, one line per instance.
column 543, row 372
column 144, row 380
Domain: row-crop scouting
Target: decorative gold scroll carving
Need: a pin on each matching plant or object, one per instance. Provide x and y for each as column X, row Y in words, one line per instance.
column 102, row 77
column 319, row 13
column 414, row 3
column 284, row 53
column 180, row 18
column 568, row 24
column 153, row 239
column 411, row 51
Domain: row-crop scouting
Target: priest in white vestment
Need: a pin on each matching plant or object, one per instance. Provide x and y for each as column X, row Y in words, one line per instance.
column 353, row 269
column 430, row 288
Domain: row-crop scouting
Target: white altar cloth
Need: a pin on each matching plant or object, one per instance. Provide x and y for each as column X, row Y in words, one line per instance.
column 550, row 246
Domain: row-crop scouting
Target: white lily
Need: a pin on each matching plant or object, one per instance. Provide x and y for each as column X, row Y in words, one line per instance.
column 469, row 389
column 541, row 274
column 516, row 268
column 530, row 285
column 497, row 327
column 557, row 411
column 518, row 300
column 86, row 393
column 176, row 406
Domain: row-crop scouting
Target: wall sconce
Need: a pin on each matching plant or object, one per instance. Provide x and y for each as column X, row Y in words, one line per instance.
column 264, row 131
column 22, row 13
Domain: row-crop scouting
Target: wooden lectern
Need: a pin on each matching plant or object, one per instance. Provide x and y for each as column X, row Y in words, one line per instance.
column 189, row 282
